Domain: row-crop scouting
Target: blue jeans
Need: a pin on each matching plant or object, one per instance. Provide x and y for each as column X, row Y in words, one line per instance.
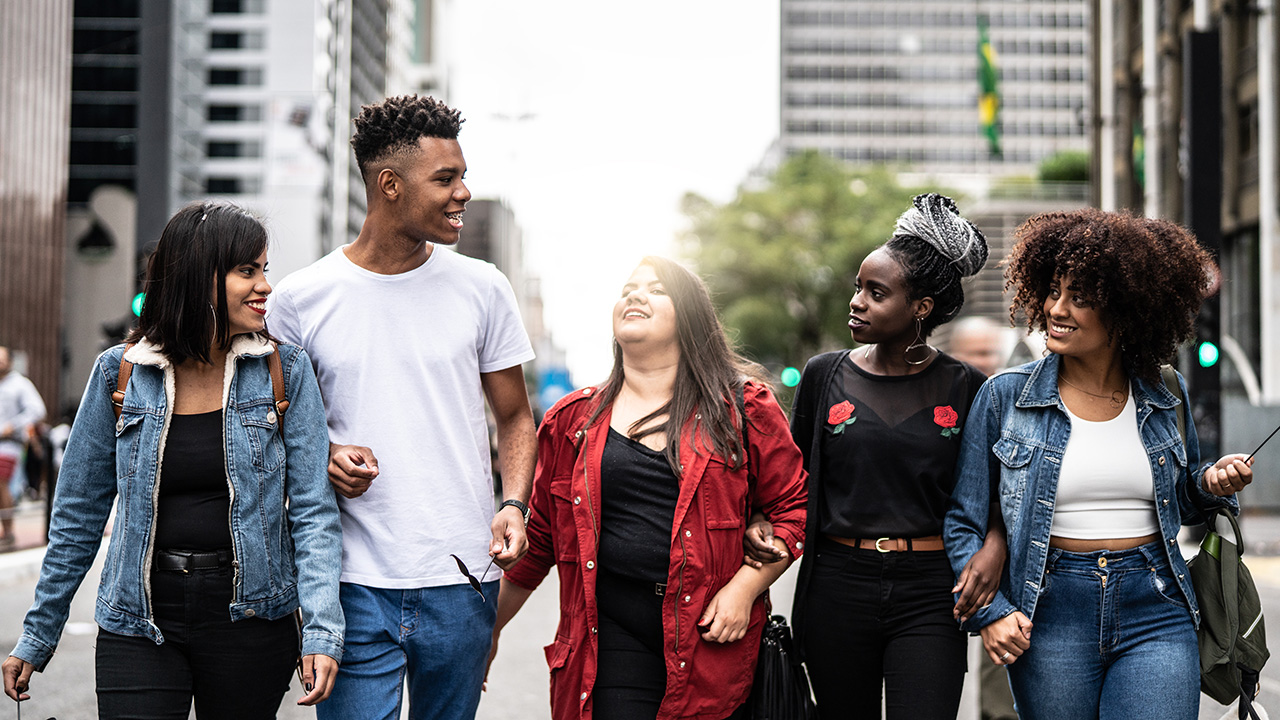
column 438, row 636
column 1112, row 638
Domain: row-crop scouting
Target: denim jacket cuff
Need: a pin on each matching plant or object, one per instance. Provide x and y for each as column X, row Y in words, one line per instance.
column 322, row 643
column 33, row 651
column 1205, row 500
column 999, row 607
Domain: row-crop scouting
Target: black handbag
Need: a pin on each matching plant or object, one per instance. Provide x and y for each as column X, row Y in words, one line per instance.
column 781, row 687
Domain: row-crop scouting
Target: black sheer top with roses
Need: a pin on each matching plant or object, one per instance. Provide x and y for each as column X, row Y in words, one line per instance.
column 889, row 448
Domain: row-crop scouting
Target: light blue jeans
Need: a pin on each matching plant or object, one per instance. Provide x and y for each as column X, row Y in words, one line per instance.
column 1112, row 638
column 439, row 637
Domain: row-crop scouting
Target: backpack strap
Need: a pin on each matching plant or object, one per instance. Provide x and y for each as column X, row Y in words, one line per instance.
column 122, row 382
column 277, row 381
column 1171, row 383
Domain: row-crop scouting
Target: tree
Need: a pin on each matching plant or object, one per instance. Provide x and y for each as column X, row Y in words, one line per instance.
column 781, row 259
column 1065, row 166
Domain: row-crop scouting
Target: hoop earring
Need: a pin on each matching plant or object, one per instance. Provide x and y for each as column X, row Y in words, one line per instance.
column 916, row 346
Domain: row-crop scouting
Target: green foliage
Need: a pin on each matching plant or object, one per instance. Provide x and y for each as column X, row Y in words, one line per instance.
column 1065, row 166
column 781, row 259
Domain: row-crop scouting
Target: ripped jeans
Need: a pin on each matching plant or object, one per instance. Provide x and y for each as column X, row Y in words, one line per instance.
column 1112, row 638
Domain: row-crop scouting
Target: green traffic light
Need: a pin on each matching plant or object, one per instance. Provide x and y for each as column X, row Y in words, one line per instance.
column 790, row 377
column 137, row 304
column 1207, row 354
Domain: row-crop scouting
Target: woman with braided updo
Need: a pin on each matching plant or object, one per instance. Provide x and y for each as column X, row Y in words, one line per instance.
column 1082, row 452
column 879, row 427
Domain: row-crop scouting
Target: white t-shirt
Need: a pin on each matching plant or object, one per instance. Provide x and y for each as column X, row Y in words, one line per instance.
column 399, row 359
column 1105, row 487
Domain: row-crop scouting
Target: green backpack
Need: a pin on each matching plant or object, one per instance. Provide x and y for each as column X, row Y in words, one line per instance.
column 1232, row 635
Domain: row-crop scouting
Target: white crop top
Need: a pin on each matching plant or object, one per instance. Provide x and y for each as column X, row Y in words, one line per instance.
column 1105, row 489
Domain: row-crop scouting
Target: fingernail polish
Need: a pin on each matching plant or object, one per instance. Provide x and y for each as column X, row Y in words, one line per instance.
column 308, row 687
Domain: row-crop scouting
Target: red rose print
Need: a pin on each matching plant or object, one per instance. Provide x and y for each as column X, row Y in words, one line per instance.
column 839, row 413
column 945, row 417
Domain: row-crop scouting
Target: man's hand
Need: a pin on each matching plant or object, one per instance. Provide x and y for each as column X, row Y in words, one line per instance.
column 352, row 469
column 17, row 678
column 1007, row 638
column 509, row 542
column 1229, row 475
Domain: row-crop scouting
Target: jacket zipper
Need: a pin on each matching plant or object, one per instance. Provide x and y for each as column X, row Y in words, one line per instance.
column 586, row 475
column 155, row 489
column 684, row 557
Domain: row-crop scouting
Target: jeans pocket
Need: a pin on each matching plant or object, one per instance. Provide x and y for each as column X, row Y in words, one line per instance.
column 1165, row 587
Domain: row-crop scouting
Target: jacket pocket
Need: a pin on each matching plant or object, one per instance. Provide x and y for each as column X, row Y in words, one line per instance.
column 262, row 430
column 724, row 495
column 562, row 525
column 128, row 438
column 557, row 653
column 1015, row 459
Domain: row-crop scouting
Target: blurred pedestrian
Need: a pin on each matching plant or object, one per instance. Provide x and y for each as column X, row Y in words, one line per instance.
column 209, row 559
column 1082, row 452
column 880, row 430
column 20, row 409
column 439, row 336
column 640, row 500
column 978, row 340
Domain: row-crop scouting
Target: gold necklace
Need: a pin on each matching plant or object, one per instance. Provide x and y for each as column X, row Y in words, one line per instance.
column 1117, row 397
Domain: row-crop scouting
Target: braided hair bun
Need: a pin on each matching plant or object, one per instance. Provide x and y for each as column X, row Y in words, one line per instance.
column 936, row 220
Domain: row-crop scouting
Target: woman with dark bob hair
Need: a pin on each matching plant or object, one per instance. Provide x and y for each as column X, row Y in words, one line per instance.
column 879, row 427
column 1082, row 453
column 640, row 499
column 224, row 517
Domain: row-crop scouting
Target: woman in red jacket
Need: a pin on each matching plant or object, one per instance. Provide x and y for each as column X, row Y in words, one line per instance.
column 640, row 499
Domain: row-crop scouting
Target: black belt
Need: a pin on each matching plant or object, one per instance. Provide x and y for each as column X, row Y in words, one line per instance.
column 186, row 561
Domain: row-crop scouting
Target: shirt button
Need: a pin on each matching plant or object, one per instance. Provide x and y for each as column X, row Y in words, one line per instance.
column 120, row 425
column 578, row 434
column 271, row 416
column 584, row 695
column 682, row 663
column 1161, row 460
column 249, row 613
column 688, row 533
column 1165, row 501
column 1102, row 562
column 577, row 500
column 1171, row 541
column 590, row 564
column 593, row 629
column 799, row 546
column 586, row 392
column 1179, row 576
column 687, row 598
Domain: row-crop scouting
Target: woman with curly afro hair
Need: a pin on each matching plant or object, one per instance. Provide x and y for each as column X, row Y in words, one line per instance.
column 1082, row 452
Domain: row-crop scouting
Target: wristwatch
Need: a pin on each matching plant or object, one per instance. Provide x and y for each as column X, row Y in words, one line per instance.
column 524, row 509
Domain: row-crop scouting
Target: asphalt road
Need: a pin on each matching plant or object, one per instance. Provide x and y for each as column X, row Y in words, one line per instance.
column 518, row 686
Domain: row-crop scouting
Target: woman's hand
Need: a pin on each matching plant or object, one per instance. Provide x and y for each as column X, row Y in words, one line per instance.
column 17, row 678
column 1007, row 638
column 1229, row 475
column 318, row 673
column 728, row 614
column 757, row 543
column 980, row 578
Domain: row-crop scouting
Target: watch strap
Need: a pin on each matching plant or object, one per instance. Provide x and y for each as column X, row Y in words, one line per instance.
column 524, row 509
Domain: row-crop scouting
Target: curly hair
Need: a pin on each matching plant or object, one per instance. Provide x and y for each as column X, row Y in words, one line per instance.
column 936, row 247
column 396, row 124
column 1146, row 277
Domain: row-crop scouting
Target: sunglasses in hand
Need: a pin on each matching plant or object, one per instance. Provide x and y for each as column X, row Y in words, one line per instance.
column 475, row 584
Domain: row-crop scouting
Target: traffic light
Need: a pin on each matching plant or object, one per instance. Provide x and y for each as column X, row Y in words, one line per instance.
column 790, row 377
column 136, row 305
column 1207, row 353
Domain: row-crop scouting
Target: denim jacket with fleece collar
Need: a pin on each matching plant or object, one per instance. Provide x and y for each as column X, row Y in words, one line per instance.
column 1016, row 434
column 283, row 553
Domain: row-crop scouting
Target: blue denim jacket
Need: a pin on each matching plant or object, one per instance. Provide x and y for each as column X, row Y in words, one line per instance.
column 1017, row 432
column 283, row 552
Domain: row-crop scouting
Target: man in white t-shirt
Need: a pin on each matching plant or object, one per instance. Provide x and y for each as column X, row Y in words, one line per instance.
column 409, row 339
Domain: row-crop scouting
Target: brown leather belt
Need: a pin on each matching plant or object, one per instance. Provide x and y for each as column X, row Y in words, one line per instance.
column 887, row 544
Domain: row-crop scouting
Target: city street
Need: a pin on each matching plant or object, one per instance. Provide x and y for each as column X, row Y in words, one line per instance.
column 518, row 686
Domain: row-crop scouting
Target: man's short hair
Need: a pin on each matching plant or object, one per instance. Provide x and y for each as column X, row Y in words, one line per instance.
column 396, row 124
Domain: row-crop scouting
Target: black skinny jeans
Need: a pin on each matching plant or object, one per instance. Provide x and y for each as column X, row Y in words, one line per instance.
column 877, row 617
column 232, row 670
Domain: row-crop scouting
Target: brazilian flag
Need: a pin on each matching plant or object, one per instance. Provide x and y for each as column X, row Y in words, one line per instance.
column 989, row 90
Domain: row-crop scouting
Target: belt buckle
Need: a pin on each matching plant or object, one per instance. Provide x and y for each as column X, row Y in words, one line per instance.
column 880, row 549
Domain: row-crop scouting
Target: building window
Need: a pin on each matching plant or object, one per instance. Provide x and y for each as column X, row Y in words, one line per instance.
column 228, row 185
column 233, row 113
column 225, row 40
column 233, row 149
column 235, row 76
column 236, row 7
column 93, row 115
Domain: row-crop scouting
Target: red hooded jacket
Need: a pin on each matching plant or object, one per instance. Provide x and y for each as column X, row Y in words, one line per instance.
column 705, row 680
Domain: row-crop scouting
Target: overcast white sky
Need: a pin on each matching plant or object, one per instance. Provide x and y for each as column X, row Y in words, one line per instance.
column 626, row 107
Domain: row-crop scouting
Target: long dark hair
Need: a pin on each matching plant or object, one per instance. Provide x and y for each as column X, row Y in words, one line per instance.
column 709, row 377
column 200, row 245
